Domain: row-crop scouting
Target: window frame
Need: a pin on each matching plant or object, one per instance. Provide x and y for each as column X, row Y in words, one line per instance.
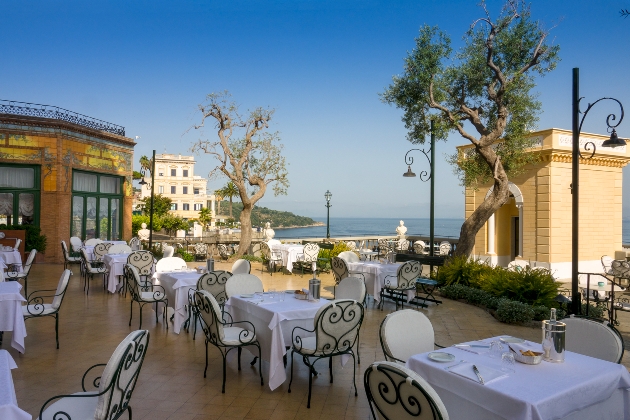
column 185, row 207
column 173, row 189
column 35, row 190
column 98, row 195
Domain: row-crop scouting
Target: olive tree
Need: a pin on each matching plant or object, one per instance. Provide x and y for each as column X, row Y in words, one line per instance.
column 483, row 92
column 246, row 152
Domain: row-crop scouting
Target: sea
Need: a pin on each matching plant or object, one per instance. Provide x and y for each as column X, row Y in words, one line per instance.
column 356, row 226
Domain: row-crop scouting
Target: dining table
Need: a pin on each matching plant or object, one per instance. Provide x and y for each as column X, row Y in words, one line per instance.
column 9, row 409
column 274, row 319
column 177, row 285
column 11, row 317
column 581, row 387
column 375, row 273
column 11, row 257
column 116, row 269
column 290, row 254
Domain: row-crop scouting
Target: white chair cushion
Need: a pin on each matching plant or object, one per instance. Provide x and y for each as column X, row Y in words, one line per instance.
column 309, row 344
column 240, row 284
column 37, row 309
column 403, row 342
column 152, row 296
column 231, row 336
column 351, row 288
column 241, row 267
column 349, row 256
column 80, row 408
column 170, row 263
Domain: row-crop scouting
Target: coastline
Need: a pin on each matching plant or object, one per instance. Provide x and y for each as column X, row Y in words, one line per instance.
column 304, row 226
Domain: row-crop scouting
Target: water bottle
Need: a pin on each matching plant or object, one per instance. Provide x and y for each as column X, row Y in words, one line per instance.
column 210, row 264
column 314, row 286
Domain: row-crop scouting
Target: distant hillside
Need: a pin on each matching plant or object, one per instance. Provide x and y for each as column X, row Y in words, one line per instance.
column 262, row 215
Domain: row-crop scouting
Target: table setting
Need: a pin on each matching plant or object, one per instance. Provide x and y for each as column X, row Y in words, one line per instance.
column 274, row 314
column 510, row 378
column 375, row 273
column 290, row 253
column 177, row 285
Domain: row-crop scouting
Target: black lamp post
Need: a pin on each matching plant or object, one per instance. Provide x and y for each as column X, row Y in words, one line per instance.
column 152, row 186
column 614, row 141
column 328, row 196
column 424, row 177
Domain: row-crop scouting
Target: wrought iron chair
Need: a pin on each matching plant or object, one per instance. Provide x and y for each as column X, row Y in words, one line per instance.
column 273, row 258
column 241, row 267
column 75, row 243
column 402, row 245
column 607, row 261
column 352, row 288
column 201, row 251
column 419, row 247
column 35, row 307
column 383, row 247
column 212, row 282
column 593, row 337
column 398, row 393
column 14, row 274
column 144, row 293
column 240, row 284
column 399, row 342
column 170, row 264
column 135, row 243
column 67, row 259
column 335, row 328
column 144, row 262
column 114, row 387
column 91, row 270
column 93, row 242
column 395, row 287
column 340, row 271
column 445, row 248
column 224, row 335
column 308, row 258
column 223, row 251
column 99, row 251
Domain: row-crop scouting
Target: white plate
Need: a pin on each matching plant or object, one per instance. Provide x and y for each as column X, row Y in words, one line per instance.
column 508, row 339
column 289, row 291
column 440, row 356
column 247, row 296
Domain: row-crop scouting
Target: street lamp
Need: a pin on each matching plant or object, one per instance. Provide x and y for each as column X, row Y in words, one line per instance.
column 151, row 185
column 614, row 141
column 328, row 196
column 424, row 177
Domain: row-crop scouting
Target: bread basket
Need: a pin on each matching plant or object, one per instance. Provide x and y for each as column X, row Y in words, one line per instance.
column 528, row 360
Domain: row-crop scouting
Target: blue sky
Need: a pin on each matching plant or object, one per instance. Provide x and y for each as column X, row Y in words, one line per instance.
column 145, row 65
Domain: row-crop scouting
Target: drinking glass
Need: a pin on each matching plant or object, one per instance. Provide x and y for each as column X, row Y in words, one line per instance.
column 281, row 295
column 259, row 296
column 496, row 349
column 272, row 293
column 507, row 362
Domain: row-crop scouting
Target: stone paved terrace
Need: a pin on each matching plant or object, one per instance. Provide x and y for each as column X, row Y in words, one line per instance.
column 171, row 384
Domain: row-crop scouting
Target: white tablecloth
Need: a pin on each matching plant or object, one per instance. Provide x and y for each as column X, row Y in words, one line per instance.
column 580, row 388
column 176, row 285
column 12, row 257
column 274, row 324
column 116, row 265
column 9, row 409
column 290, row 253
column 375, row 274
column 11, row 317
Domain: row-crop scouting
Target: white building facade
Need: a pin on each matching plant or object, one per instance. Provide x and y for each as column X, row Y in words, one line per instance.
column 175, row 179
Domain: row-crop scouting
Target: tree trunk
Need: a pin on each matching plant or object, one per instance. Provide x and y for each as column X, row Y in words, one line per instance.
column 218, row 207
column 246, row 229
column 499, row 196
column 230, row 207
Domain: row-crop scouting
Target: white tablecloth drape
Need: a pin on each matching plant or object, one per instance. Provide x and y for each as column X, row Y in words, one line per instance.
column 274, row 323
column 11, row 317
column 9, row 409
column 290, row 254
column 12, row 257
column 580, row 388
column 176, row 285
column 116, row 264
column 375, row 274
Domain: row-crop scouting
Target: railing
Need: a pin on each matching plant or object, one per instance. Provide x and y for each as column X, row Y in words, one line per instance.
column 56, row 113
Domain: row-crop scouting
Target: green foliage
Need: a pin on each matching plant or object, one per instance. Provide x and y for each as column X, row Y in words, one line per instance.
column 541, row 313
column 262, row 215
column 169, row 222
column 161, row 205
column 172, row 223
column 205, row 216
column 251, row 258
column 531, row 286
column 33, row 237
column 470, row 295
column 186, row 256
column 513, row 312
column 137, row 175
column 138, row 219
column 229, row 191
column 463, row 270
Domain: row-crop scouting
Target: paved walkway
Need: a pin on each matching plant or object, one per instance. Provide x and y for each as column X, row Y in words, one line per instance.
column 171, row 383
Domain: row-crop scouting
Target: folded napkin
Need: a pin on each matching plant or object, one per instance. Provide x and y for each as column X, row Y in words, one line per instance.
column 466, row 370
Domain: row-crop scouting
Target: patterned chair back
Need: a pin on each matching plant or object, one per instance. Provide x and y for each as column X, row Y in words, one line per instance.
column 64, row 249
column 223, row 251
column 339, row 269
column 406, row 276
column 265, row 251
column 445, row 248
column 351, row 245
column 214, row 283
column 402, row 245
column 100, row 250
column 211, row 316
column 201, row 249
column 143, row 261
column 419, row 247
column 134, row 243
column 311, row 251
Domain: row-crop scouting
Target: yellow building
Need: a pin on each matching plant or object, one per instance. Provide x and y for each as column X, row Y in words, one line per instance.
column 535, row 225
column 67, row 173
